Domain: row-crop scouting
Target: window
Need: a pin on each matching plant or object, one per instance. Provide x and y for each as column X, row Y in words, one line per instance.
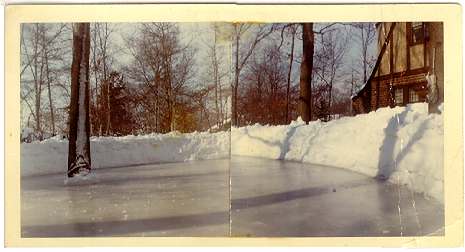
column 413, row 96
column 399, row 96
column 417, row 33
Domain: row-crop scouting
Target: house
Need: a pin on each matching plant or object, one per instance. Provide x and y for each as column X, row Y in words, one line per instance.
column 410, row 56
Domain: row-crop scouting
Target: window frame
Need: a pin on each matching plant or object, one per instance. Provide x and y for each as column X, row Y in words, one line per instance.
column 414, row 91
column 401, row 90
column 412, row 34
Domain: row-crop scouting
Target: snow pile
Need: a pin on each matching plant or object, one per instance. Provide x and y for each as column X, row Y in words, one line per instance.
column 403, row 144
column 51, row 155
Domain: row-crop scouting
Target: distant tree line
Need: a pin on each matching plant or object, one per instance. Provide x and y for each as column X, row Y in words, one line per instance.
column 151, row 79
column 288, row 70
column 156, row 89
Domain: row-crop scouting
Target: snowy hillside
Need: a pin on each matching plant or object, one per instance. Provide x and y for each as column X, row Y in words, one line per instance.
column 50, row 156
column 404, row 144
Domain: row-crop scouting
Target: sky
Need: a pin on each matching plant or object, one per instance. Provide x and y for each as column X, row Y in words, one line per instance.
column 200, row 34
column 197, row 35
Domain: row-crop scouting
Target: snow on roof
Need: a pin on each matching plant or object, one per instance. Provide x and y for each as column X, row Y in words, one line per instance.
column 358, row 91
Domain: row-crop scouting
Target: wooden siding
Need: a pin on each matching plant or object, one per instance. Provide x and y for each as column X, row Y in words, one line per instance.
column 410, row 65
column 399, row 44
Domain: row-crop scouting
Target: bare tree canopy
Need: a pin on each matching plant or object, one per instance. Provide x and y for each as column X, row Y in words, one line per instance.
column 167, row 77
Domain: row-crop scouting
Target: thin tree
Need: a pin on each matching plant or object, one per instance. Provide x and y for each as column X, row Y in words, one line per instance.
column 329, row 59
column 366, row 35
column 30, row 60
column 49, row 89
column 293, row 31
column 216, row 72
column 101, row 61
column 163, row 68
column 47, row 47
column 262, row 31
column 34, row 62
column 41, row 53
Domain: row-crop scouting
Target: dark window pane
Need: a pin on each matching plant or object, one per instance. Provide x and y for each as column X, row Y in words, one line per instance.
column 417, row 32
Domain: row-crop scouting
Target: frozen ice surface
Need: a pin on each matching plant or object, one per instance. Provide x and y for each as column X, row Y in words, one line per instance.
column 82, row 178
column 269, row 198
column 273, row 198
column 177, row 199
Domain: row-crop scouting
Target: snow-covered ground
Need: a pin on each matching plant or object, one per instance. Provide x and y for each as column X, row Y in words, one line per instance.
column 50, row 156
column 403, row 144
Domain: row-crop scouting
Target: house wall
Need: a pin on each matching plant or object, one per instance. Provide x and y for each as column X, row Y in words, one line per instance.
column 435, row 46
column 357, row 106
column 401, row 57
column 416, row 56
column 361, row 103
column 399, row 39
column 383, row 31
column 408, row 66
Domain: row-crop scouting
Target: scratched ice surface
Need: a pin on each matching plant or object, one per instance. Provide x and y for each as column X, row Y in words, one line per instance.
column 275, row 198
column 178, row 199
column 269, row 198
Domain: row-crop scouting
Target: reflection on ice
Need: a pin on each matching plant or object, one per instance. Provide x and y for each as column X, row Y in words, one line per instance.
column 178, row 199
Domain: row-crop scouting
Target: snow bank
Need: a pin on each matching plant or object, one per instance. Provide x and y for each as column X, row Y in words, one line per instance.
column 403, row 144
column 50, row 156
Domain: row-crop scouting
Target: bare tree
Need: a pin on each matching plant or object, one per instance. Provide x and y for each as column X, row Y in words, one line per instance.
column 40, row 47
column 328, row 65
column 163, row 67
column 102, row 59
column 292, row 30
column 79, row 161
column 216, row 73
column 48, row 45
column 242, row 54
column 366, row 35
column 264, row 85
column 306, row 69
column 36, row 69
column 216, row 77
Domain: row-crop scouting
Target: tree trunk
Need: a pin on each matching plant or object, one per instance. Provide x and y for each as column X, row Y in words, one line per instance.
column 352, row 91
column 39, row 95
column 330, row 99
column 364, row 52
column 306, row 67
column 217, row 107
column 220, row 94
column 37, row 83
column 291, row 60
column 216, row 80
column 47, row 73
column 157, row 104
column 97, row 106
column 236, row 83
column 108, row 108
column 79, row 161
column 173, row 116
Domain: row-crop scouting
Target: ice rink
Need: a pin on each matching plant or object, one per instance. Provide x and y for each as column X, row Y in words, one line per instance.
column 269, row 198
